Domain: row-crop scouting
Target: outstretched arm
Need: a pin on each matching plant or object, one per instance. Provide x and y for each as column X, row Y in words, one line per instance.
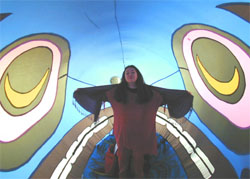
column 91, row 98
column 179, row 101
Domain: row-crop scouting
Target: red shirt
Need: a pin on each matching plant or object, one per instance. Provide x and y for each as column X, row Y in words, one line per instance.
column 134, row 124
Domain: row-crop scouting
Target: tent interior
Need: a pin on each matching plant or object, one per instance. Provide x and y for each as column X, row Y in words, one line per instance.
column 51, row 48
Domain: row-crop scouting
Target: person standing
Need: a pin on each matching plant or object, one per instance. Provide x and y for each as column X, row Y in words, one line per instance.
column 134, row 105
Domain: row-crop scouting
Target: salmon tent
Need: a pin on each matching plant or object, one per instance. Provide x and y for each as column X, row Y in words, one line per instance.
column 51, row 48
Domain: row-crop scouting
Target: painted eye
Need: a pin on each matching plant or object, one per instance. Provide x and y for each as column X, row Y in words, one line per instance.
column 30, row 69
column 215, row 68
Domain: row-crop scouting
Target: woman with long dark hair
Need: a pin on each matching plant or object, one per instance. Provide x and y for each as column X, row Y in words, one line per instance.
column 134, row 105
column 144, row 93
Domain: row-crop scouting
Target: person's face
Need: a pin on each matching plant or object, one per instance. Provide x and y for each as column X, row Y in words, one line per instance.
column 130, row 75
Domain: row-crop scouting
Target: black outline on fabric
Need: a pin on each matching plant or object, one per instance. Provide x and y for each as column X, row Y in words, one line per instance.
column 119, row 32
column 78, row 80
column 90, row 20
column 184, row 68
column 171, row 75
column 63, row 76
column 165, row 77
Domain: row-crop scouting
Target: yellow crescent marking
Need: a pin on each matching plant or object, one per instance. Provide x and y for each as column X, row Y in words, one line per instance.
column 225, row 88
column 21, row 100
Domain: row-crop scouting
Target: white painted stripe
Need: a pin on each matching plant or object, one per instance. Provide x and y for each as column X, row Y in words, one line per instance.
column 200, row 165
column 189, row 138
column 186, row 139
column 160, row 121
column 173, row 130
column 186, row 145
column 65, row 166
column 205, row 159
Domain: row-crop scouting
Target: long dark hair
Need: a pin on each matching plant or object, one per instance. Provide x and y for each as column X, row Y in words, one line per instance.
column 144, row 93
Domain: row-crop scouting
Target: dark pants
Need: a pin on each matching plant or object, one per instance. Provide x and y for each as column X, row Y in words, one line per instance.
column 124, row 158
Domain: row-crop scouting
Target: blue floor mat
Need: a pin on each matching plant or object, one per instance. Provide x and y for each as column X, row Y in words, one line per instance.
column 165, row 165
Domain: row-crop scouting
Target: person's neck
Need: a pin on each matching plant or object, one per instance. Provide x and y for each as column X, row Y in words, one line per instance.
column 132, row 85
